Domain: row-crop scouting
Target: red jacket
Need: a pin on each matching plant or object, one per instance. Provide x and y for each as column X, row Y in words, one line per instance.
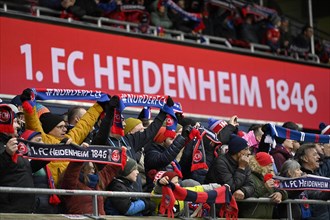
column 84, row 204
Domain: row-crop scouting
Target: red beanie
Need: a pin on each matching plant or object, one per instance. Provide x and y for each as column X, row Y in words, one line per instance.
column 263, row 159
column 29, row 134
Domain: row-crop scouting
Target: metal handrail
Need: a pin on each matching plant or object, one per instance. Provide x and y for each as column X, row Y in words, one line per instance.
column 95, row 193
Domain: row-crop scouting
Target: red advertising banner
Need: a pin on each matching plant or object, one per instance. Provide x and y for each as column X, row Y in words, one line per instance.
column 205, row 82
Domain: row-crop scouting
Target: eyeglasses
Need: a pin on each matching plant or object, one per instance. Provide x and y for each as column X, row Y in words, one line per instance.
column 61, row 127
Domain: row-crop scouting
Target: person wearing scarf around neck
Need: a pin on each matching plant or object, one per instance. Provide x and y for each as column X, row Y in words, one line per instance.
column 85, row 176
column 15, row 171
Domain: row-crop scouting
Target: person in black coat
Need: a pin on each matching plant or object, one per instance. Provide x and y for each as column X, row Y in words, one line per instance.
column 130, row 206
column 233, row 169
column 161, row 154
column 14, row 171
column 133, row 142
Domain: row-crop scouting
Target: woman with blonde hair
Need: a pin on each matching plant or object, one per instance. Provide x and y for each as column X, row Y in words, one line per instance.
column 261, row 166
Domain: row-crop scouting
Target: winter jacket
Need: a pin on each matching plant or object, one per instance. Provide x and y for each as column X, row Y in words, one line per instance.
column 158, row 157
column 224, row 170
column 259, row 210
column 210, row 154
column 16, row 175
column 131, row 206
column 280, row 155
column 84, row 204
column 77, row 134
column 133, row 142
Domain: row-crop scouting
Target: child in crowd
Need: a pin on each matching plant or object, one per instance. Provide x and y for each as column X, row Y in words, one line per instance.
column 131, row 206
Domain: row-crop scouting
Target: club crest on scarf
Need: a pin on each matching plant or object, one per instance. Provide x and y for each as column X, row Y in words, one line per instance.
column 115, row 156
column 5, row 116
column 22, row 148
column 198, row 156
column 6, row 119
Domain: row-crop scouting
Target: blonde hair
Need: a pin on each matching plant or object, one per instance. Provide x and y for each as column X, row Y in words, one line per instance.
column 255, row 167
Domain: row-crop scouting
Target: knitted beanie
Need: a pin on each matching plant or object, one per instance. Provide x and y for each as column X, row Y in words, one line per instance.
column 236, row 144
column 131, row 123
column 129, row 167
column 263, row 159
column 49, row 121
column 216, row 125
column 29, row 134
column 41, row 109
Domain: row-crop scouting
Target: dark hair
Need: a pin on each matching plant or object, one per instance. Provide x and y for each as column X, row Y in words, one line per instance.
column 291, row 125
column 301, row 152
column 305, row 28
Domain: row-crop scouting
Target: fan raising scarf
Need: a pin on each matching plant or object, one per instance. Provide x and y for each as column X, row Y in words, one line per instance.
column 221, row 195
column 126, row 100
column 273, row 131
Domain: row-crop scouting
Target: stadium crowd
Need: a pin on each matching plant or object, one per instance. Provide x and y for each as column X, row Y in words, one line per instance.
column 241, row 22
column 170, row 150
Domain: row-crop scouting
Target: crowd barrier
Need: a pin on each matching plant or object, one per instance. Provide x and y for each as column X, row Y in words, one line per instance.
column 95, row 194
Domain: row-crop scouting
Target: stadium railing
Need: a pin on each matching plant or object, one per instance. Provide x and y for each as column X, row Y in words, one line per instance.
column 95, row 194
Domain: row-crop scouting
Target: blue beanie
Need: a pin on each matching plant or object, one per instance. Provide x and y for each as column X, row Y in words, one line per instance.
column 236, row 144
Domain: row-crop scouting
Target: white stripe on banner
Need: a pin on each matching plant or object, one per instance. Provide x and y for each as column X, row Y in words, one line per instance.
column 302, row 136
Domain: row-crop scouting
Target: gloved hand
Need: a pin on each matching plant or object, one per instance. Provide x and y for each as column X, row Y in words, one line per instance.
column 186, row 131
column 28, row 100
column 169, row 101
column 180, row 117
column 168, row 107
column 150, row 206
column 114, row 102
column 26, row 95
column 104, row 102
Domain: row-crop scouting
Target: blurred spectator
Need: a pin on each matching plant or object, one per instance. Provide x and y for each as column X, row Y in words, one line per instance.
column 180, row 22
column 159, row 15
column 248, row 30
column 90, row 7
column 130, row 206
column 285, row 35
column 322, row 52
column 272, row 37
column 300, row 45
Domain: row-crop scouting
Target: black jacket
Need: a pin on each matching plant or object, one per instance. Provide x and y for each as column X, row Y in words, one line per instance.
column 16, row 175
column 158, row 157
column 224, row 170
